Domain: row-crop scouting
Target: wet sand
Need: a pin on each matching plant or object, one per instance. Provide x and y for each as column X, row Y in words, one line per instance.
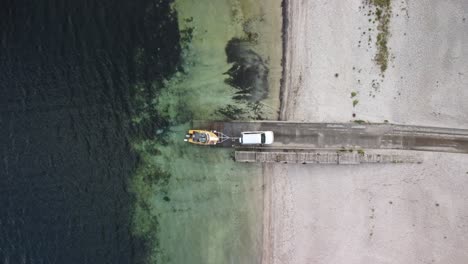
column 371, row 213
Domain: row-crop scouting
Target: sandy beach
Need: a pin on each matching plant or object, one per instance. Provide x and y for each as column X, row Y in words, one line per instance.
column 396, row 213
column 369, row 213
column 328, row 56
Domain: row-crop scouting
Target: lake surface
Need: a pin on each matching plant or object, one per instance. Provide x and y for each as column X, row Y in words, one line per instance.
column 95, row 99
column 66, row 72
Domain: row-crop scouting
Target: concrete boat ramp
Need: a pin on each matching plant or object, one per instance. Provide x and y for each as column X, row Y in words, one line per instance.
column 338, row 143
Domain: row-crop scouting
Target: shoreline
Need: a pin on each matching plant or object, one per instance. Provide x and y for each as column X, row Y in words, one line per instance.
column 266, row 247
column 284, row 58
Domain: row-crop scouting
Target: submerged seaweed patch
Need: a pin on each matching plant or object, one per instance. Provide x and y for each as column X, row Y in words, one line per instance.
column 248, row 74
column 249, row 110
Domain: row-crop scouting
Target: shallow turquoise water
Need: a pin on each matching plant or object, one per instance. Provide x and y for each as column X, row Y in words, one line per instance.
column 200, row 206
column 209, row 209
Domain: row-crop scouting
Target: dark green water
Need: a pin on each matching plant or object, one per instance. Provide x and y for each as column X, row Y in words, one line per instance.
column 66, row 72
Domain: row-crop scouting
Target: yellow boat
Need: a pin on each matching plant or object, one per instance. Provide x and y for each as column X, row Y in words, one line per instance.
column 202, row 137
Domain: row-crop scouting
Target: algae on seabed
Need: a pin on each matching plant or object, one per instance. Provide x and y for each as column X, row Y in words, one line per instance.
column 210, row 25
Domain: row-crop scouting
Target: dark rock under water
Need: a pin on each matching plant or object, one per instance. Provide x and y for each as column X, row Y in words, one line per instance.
column 249, row 73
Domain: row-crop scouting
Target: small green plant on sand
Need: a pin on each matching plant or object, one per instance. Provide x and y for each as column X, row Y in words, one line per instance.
column 383, row 13
column 353, row 94
column 360, row 121
column 355, row 102
column 361, row 152
column 342, row 149
column 381, row 3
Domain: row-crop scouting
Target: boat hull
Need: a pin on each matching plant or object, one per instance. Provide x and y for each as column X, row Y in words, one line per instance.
column 202, row 137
